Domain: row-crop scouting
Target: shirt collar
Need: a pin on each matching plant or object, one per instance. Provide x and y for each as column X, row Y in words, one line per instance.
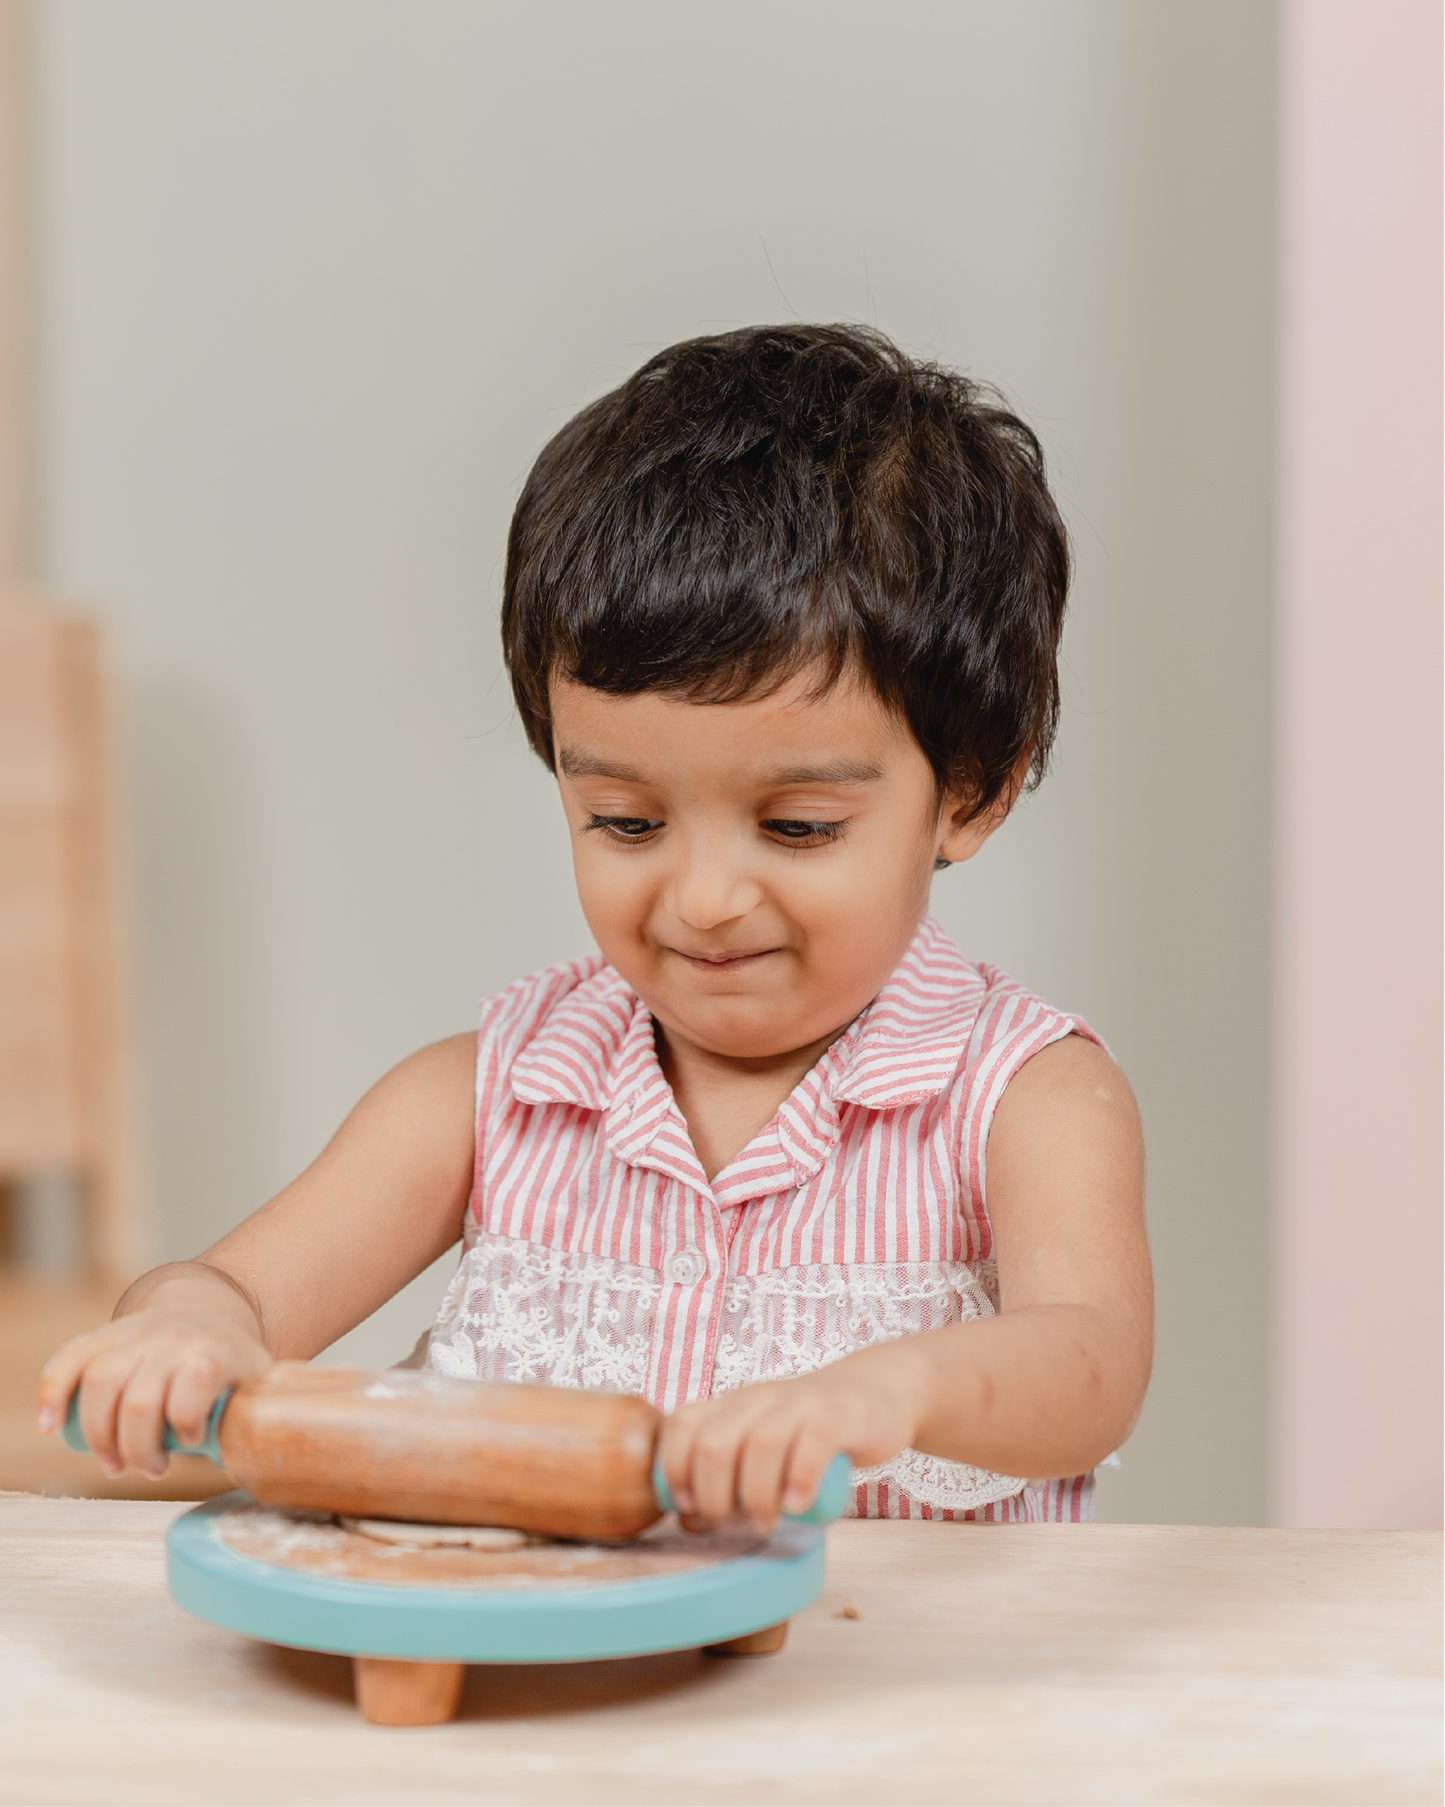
column 917, row 1030
column 596, row 1050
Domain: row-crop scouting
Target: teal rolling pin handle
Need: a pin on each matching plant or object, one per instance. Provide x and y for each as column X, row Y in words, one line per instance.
column 830, row 1503
column 73, row 1437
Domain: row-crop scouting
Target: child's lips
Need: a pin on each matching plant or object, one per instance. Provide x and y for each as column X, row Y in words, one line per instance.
column 725, row 963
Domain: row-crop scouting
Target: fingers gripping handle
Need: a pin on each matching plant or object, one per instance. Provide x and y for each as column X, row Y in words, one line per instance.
column 73, row 1437
column 832, row 1496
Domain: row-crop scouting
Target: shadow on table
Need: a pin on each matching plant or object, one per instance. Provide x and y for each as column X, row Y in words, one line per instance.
column 514, row 1690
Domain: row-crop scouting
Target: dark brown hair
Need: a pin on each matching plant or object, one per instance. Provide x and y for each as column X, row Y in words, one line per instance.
column 784, row 497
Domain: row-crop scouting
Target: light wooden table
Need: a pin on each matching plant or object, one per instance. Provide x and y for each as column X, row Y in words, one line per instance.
column 1103, row 1663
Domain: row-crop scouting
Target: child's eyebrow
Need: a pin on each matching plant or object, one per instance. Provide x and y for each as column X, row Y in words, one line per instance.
column 839, row 771
column 576, row 764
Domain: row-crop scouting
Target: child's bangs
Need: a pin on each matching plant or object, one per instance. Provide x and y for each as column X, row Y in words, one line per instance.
column 740, row 649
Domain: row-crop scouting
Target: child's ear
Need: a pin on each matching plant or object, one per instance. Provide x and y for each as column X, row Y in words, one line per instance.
column 966, row 836
column 965, row 833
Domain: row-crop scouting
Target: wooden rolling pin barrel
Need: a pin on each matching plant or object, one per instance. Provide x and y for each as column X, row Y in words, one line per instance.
column 415, row 1445
column 417, row 1449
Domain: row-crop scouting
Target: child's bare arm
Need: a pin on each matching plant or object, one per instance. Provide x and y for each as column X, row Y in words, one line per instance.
column 380, row 1203
column 1055, row 1382
column 1048, row 1387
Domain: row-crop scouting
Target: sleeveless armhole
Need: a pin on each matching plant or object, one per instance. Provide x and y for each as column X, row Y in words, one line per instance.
column 1012, row 1027
column 508, row 1022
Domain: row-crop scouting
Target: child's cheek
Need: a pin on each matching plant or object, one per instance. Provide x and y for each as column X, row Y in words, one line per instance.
column 613, row 899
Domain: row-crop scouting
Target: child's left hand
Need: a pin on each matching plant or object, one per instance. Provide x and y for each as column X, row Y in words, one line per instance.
column 762, row 1449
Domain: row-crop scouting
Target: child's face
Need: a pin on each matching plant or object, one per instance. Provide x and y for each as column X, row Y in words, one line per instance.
column 754, row 870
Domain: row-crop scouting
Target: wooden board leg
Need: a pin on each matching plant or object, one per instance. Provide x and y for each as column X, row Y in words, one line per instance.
column 756, row 1643
column 398, row 1693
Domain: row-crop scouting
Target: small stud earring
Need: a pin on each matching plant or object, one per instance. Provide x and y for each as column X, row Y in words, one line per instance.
column 941, row 864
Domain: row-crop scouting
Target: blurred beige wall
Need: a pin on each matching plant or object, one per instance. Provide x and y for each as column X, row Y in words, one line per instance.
column 317, row 279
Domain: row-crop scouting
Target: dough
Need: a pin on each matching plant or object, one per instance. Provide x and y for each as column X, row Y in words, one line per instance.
column 474, row 1537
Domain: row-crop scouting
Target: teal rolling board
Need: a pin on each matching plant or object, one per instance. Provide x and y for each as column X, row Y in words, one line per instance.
column 472, row 1624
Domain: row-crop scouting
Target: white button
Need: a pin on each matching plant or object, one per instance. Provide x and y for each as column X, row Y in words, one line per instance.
column 687, row 1268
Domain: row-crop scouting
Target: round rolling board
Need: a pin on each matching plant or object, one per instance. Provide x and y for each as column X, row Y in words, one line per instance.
column 410, row 1641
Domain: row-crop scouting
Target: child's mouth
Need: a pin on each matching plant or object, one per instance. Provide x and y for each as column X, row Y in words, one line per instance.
column 724, row 963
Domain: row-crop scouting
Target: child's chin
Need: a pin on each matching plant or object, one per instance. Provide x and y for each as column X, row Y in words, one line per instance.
column 742, row 1033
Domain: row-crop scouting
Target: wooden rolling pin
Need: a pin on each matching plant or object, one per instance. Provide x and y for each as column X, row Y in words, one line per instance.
column 413, row 1445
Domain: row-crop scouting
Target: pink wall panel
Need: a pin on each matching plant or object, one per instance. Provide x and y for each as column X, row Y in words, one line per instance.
column 1357, row 1322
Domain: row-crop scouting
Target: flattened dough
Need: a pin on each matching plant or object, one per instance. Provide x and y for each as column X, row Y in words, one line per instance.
column 473, row 1537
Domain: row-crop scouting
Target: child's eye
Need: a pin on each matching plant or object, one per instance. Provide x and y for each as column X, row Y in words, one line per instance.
column 804, row 834
column 624, row 828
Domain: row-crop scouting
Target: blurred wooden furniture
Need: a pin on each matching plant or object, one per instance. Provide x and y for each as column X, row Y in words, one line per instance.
column 63, row 1048
column 1039, row 1663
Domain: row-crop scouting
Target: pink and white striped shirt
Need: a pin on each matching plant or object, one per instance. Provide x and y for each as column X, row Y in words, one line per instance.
column 598, row 1255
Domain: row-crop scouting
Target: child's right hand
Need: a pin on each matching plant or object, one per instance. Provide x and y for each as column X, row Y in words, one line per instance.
column 165, row 1360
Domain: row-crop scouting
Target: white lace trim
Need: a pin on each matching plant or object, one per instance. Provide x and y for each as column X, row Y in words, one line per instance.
column 518, row 1311
column 946, row 1486
column 795, row 1320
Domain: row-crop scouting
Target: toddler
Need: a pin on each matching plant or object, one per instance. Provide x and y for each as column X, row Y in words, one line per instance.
column 781, row 615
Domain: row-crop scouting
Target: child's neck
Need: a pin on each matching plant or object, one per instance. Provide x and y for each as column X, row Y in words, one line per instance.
column 724, row 1099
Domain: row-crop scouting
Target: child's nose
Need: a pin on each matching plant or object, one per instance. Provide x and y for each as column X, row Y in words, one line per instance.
column 709, row 890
